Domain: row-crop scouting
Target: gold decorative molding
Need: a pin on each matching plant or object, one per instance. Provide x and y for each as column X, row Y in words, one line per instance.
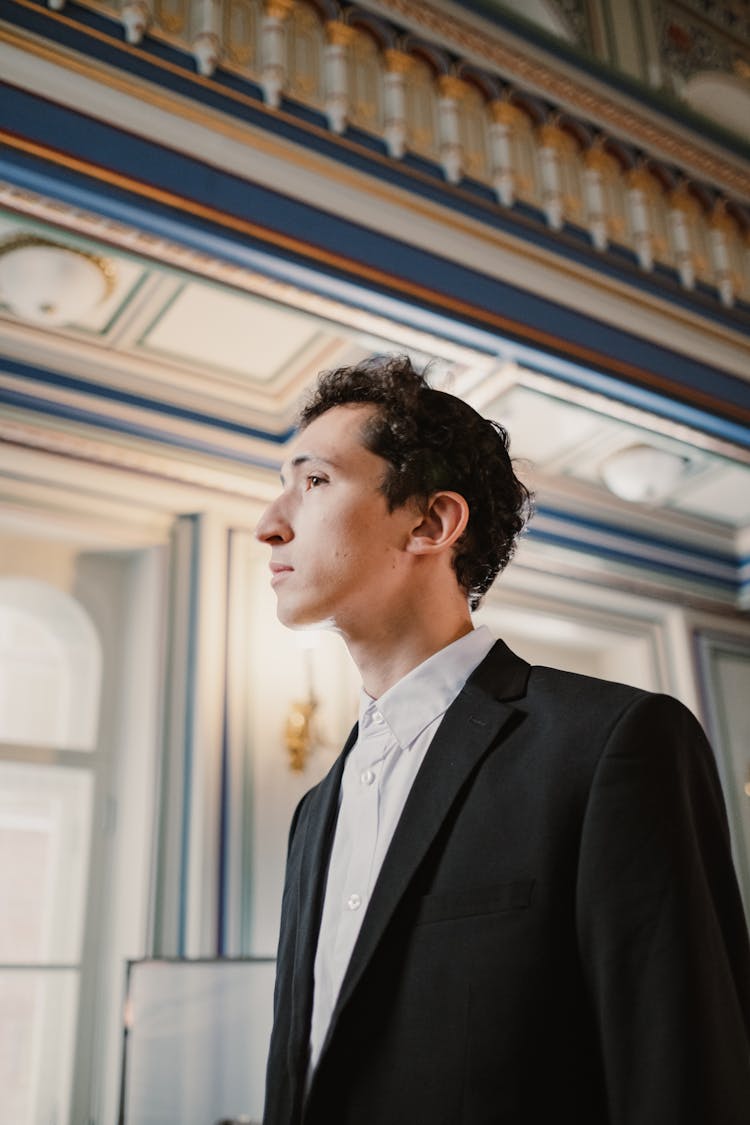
column 171, row 15
column 600, row 161
column 105, row 267
column 505, row 113
column 340, row 34
column 518, row 64
column 397, row 62
column 279, row 9
column 450, row 86
column 304, row 159
column 552, row 136
column 642, row 180
column 307, row 161
column 462, row 308
column 682, row 199
column 722, row 220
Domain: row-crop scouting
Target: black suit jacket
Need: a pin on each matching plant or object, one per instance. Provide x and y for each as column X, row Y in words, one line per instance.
column 556, row 933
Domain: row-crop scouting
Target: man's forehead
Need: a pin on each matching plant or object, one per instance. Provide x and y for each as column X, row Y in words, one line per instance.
column 340, row 427
column 331, row 439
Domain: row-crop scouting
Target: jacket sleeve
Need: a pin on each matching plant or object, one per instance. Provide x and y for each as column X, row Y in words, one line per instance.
column 662, row 934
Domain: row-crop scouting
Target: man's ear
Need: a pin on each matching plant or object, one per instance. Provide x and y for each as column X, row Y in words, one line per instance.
column 442, row 522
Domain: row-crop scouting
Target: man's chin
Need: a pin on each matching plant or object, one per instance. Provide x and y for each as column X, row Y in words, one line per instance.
column 298, row 619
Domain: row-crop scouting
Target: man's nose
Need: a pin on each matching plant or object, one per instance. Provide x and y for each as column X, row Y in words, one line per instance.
column 273, row 526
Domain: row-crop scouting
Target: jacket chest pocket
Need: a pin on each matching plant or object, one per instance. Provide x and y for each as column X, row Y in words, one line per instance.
column 497, row 899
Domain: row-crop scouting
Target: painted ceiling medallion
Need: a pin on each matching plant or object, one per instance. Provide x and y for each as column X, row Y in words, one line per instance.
column 51, row 284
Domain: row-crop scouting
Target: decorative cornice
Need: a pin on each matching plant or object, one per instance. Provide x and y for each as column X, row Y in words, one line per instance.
column 235, row 123
column 519, row 65
column 592, row 98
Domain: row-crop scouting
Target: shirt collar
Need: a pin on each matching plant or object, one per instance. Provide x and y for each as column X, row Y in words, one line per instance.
column 426, row 692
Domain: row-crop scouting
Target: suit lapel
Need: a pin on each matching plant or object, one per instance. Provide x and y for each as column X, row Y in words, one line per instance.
column 470, row 727
column 315, row 850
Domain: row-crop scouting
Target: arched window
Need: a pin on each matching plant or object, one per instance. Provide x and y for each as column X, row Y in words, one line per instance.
column 50, row 669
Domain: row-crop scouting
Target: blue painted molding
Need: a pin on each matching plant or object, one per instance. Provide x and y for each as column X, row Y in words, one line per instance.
column 175, row 70
column 721, row 559
column 118, row 397
column 706, row 582
column 639, row 563
column 161, row 419
column 425, row 179
column 718, row 572
column 241, row 222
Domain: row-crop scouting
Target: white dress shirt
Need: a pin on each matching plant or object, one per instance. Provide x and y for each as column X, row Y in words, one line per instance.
column 394, row 736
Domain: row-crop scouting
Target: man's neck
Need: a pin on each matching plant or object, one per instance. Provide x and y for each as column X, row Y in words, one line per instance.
column 385, row 659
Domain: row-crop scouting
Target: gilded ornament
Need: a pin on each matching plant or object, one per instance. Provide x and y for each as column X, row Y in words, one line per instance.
column 642, row 180
column 452, row 87
column 595, row 157
column 340, row 34
column 552, row 136
column 170, row 15
column 504, row 113
column 681, row 199
column 722, row 220
column 104, row 265
column 278, row 9
column 397, row 62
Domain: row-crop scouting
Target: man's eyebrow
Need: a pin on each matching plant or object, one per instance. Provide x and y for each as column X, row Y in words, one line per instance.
column 303, row 458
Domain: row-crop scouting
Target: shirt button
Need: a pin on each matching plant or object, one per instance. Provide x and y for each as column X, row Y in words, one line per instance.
column 377, row 717
column 367, row 777
column 354, row 902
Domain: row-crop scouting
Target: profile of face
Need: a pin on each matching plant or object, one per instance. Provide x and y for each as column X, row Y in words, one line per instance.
column 338, row 556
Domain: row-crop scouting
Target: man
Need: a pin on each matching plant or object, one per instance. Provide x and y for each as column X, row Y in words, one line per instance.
column 511, row 901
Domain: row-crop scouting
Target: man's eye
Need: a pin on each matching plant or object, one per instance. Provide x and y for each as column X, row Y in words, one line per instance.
column 314, row 480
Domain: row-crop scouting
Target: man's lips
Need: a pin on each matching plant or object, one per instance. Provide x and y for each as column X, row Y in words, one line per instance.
column 278, row 570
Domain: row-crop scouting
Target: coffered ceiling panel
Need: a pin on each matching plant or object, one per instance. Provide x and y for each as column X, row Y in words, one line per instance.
column 213, row 328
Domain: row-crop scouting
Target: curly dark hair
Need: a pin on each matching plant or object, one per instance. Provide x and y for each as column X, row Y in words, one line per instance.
column 432, row 441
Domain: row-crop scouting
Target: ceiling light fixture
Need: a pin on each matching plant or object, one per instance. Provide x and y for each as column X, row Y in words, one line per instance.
column 51, row 284
column 644, row 474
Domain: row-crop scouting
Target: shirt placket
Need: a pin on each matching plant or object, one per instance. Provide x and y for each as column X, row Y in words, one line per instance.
column 361, row 806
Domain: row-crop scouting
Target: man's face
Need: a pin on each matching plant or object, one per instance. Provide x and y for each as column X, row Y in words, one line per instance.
column 337, row 553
